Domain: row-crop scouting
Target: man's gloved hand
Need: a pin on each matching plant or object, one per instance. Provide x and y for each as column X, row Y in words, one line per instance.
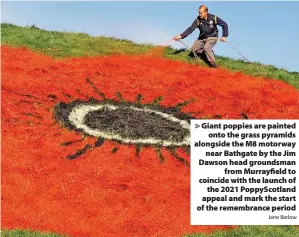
column 223, row 39
column 176, row 38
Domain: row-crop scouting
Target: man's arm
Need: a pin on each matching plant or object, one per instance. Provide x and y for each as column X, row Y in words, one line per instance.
column 189, row 30
column 224, row 26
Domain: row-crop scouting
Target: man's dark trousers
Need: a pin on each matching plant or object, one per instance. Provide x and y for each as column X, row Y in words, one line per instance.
column 206, row 45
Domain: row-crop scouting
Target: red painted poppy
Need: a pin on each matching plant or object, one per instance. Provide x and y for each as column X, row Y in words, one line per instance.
column 113, row 186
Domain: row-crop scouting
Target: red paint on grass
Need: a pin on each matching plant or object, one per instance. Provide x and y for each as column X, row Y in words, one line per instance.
column 101, row 193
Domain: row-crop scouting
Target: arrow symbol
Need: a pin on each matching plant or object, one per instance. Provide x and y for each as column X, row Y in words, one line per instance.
column 197, row 125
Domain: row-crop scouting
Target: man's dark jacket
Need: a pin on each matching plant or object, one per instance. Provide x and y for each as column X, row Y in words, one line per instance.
column 208, row 28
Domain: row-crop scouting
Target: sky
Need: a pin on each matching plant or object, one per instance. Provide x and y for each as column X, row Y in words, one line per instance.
column 265, row 32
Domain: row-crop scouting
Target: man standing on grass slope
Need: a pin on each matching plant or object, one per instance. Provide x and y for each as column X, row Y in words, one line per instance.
column 207, row 24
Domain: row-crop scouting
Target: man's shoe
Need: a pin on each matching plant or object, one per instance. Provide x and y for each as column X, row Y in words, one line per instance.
column 213, row 65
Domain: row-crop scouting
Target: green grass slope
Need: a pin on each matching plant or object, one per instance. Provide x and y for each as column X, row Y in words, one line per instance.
column 254, row 231
column 69, row 44
column 242, row 231
column 28, row 233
